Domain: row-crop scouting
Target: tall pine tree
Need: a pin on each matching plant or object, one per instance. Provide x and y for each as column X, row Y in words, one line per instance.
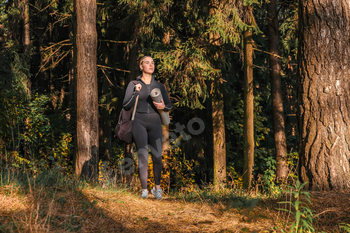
column 86, row 162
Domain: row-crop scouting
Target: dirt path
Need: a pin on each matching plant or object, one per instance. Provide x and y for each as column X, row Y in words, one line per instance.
column 102, row 211
column 93, row 210
column 133, row 214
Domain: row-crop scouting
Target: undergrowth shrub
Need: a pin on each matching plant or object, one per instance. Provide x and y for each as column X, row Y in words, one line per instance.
column 50, row 179
column 303, row 216
column 268, row 182
column 235, row 179
column 29, row 141
column 234, row 127
column 345, row 227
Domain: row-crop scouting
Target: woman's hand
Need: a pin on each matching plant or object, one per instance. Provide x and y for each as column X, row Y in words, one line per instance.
column 160, row 105
column 138, row 87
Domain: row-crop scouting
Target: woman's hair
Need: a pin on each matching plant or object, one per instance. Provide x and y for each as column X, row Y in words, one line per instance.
column 143, row 58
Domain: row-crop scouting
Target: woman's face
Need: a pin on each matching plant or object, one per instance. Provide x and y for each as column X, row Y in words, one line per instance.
column 147, row 65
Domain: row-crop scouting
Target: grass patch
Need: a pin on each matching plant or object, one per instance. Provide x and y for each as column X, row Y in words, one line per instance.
column 53, row 202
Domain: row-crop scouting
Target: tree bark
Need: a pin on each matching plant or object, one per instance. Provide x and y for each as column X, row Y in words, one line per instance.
column 26, row 50
column 248, row 125
column 86, row 163
column 26, row 31
column 133, row 54
column 219, row 141
column 276, row 92
column 26, row 28
column 26, row 42
column 218, row 121
column 324, row 94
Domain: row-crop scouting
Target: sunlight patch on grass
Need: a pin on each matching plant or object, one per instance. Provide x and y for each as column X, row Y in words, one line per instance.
column 12, row 203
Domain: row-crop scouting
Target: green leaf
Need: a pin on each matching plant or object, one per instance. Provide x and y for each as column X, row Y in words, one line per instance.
column 296, row 206
column 302, row 185
column 285, row 210
column 297, row 217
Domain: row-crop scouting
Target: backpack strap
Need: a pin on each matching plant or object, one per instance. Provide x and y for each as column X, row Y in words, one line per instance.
column 135, row 106
column 136, row 101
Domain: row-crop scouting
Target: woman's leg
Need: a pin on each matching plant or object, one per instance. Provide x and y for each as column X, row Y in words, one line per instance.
column 155, row 139
column 140, row 138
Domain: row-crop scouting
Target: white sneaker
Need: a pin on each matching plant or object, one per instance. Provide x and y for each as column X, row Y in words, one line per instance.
column 157, row 193
column 144, row 193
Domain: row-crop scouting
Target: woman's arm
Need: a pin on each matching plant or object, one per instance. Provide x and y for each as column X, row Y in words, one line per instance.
column 130, row 96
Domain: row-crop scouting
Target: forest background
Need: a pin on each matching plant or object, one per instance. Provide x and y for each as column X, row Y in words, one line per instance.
column 260, row 97
column 230, row 68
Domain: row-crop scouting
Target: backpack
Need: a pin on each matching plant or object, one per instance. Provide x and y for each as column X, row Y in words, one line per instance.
column 123, row 130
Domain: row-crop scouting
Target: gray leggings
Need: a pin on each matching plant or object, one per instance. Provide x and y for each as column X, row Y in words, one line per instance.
column 147, row 129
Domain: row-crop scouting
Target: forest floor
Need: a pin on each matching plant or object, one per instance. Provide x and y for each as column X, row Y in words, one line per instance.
column 92, row 209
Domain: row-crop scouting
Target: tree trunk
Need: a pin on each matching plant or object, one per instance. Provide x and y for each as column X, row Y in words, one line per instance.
column 26, row 42
column 26, row 28
column 86, row 163
column 26, row 50
column 72, row 83
column 324, row 94
column 217, row 98
column 276, row 92
column 219, row 142
column 38, row 44
column 133, row 65
column 248, row 111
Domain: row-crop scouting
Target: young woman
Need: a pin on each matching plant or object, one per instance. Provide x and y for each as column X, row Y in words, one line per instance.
column 147, row 128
